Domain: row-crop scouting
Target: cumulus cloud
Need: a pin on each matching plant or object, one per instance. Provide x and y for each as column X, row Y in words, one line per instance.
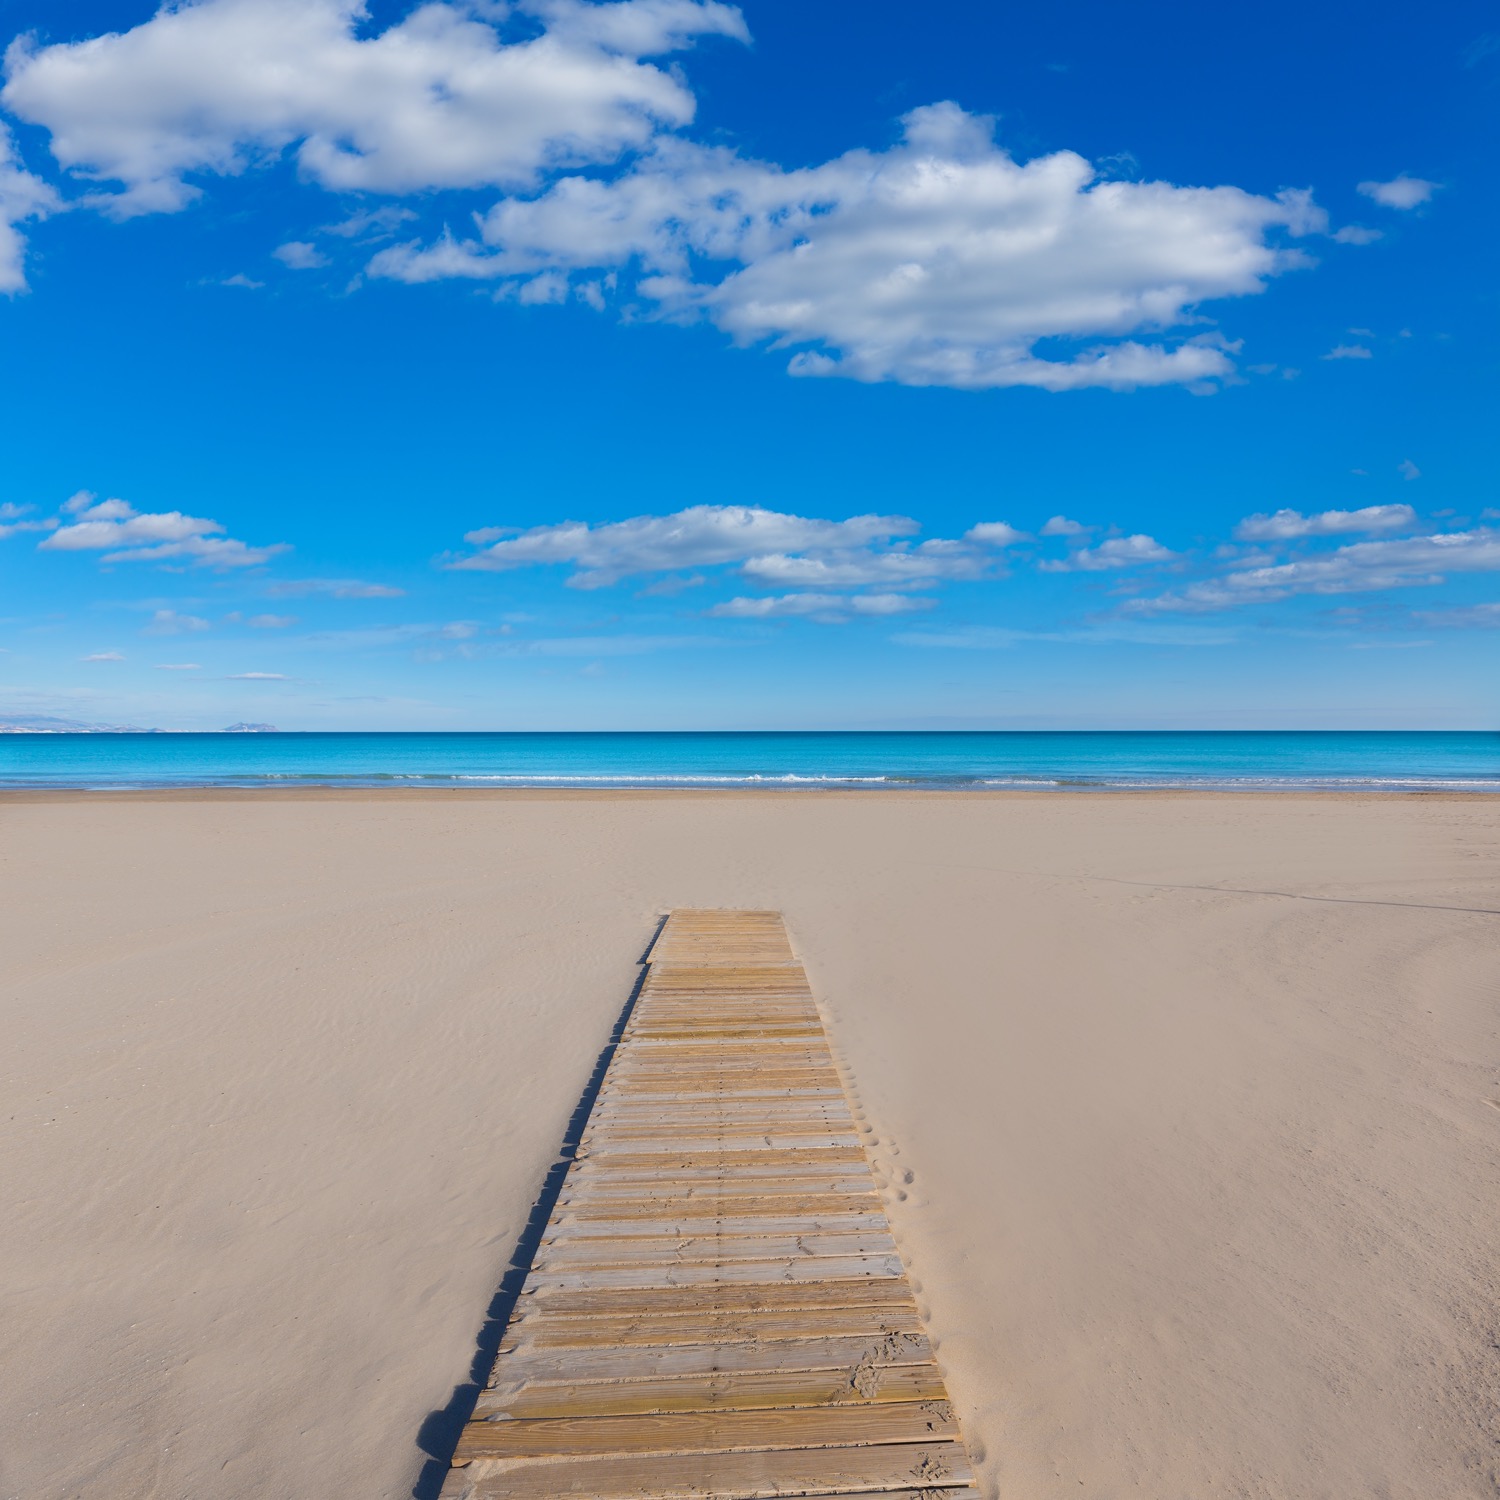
column 1062, row 526
column 179, row 666
column 1357, row 567
column 450, row 96
column 125, row 534
column 942, row 261
column 899, row 565
column 102, row 656
column 258, row 677
column 1289, row 525
column 1399, row 192
column 1408, row 470
column 1117, row 552
column 700, row 536
column 994, row 534
column 23, row 196
column 1348, row 351
column 300, row 255
column 170, row 622
column 334, row 588
column 271, row 622
column 828, row 608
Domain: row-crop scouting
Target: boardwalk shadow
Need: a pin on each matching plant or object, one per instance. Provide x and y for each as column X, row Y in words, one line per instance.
column 439, row 1433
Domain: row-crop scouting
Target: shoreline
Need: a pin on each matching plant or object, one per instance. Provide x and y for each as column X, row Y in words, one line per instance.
column 324, row 793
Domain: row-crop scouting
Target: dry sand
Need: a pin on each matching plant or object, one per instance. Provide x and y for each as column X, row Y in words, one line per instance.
column 1199, row 1099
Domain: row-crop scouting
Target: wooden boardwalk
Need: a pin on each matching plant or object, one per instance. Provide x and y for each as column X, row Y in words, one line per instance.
column 717, row 1309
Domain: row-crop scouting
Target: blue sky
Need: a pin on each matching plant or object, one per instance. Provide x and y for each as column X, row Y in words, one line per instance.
column 667, row 364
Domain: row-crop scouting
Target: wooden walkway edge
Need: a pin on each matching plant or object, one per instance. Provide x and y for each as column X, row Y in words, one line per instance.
column 718, row 1310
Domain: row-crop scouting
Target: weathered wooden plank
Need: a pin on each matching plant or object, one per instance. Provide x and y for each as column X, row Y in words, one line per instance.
column 538, row 1330
column 753, row 1088
column 757, row 1390
column 705, row 1175
column 547, row 1279
column 710, row 1432
column 853, row 1291
column 697, row 1182
column 694, row 1144
column 529, row 1365
column 710, row 1206
column 629, row 1116
column 832, row 1222
column 797, row 1166
column 629, row 1160
column 914, row 1471
column 656, row 1250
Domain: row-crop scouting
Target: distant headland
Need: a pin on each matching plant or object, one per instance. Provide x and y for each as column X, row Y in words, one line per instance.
column 45, row 724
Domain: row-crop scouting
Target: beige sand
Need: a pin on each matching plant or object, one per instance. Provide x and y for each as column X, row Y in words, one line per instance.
column 1199, row 1099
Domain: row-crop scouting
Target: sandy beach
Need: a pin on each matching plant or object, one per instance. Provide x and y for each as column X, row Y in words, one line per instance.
column 1194, row 1100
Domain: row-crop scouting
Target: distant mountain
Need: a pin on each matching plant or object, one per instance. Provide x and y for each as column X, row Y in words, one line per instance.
column 252, row 729
column 44, row 724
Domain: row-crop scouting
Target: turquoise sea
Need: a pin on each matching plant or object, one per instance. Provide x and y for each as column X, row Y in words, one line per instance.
column 1269, row 761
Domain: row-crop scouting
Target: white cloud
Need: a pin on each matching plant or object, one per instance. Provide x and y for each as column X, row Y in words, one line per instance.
column 271, row 622
column 828, row 608
column 334, row 588
column 1117, row 552
column 994, row 534
column 179, row 666
column 1348, row 351
column 1288, row 525
column 239, row 279
column 23, row 196
column 102, row 656
column 438, row 100
column 1357, row 567
column 424, row 632
column 942, row 261
column 1129, row 632
column 169, row 622
column 700, row 536
column 16, row 518
column 610, row 645
column 300, row 255
column 1399, row 192
column 1062, row 526
column 897, row 566
column 1357, row 234
column 371, row 223
column 125, row 534
column 1408, row 470
column 258, row 677
column 1480, row 616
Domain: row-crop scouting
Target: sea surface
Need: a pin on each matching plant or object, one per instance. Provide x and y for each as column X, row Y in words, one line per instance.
column 1041, row 760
